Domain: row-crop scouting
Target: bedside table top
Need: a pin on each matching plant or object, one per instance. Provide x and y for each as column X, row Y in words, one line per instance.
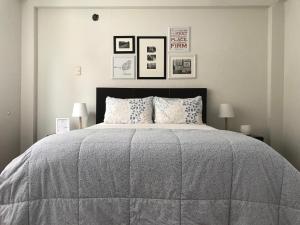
column 261, row 138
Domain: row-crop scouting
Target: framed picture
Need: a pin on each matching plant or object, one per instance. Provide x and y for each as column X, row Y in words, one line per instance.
column 124, row 44
column 179, row 39
column 123, row 67
column 62, row 125
column 182, row 67
column 151, row 57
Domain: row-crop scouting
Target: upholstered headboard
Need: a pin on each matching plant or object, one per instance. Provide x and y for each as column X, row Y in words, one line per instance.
column 102, row 93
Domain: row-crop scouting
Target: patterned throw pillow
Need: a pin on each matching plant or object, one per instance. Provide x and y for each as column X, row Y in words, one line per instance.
column 178, row 111
column 135, row 110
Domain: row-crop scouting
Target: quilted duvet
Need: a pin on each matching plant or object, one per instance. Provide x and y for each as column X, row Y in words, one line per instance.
column 149, row 177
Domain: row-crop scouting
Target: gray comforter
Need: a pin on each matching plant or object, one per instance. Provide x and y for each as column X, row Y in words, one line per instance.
column 149, row 176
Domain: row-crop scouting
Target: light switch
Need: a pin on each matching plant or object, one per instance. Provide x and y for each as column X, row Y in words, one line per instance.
column 78, row 71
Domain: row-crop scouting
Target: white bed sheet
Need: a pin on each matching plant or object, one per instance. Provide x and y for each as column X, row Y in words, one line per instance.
column 154, row 125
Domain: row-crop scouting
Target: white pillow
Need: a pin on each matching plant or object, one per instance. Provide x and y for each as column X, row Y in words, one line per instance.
column 178, row 111
column 128, row 111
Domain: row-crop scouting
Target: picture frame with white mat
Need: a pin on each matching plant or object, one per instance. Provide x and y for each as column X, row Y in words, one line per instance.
column 151, row 57
column 123, row 66
column 182, row 67
column 124, row 44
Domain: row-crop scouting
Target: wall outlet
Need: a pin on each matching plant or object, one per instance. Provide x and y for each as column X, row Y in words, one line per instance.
column 78, row 71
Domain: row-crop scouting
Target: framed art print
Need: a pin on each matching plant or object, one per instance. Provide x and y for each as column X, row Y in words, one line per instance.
column 182, row 67
column 123, row 67
column 179, row 39
column 151, row 57
column 62, row 125
column 124, row 44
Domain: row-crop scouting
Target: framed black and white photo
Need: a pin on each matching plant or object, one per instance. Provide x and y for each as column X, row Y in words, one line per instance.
column 182, row 66
column 124, row 44
column 179, row 39
column 62, row 125
column 151, row 57
column 123, row 67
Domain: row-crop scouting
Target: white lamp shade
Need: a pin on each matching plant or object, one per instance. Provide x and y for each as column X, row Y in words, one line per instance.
column 79, row 110
column 226, row 111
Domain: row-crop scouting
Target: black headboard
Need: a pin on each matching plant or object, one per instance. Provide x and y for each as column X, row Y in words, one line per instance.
column 102, row 93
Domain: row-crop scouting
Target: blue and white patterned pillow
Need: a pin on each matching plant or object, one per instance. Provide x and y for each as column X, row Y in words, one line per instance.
column 128, row 111
column 178, row 111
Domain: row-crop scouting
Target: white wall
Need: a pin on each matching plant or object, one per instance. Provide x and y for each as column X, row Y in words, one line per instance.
column 231, row 46
column 30, row 50
column 276, row 75
column 10, row 79
column 291, row 120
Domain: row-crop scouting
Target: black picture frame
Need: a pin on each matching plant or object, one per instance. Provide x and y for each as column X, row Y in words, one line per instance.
column 161, row 77
column 132, row 51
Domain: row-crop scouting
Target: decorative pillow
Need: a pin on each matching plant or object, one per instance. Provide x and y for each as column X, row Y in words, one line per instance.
column 135, row 110
column 178, row 111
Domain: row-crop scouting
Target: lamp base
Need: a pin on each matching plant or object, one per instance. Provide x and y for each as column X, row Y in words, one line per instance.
column 80, row 122
column 226, row 123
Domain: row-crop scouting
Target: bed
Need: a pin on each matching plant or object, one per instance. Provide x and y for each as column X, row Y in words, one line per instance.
column 149, row 175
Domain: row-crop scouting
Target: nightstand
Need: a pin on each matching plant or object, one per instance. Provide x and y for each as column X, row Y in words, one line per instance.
column 257, row 137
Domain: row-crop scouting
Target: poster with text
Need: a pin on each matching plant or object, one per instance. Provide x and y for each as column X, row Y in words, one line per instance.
column 179, row 39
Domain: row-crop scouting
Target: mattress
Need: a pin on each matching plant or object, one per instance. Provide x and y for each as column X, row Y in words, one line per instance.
column 153, row 126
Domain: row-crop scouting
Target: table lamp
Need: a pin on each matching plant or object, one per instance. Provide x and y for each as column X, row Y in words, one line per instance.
column 80, row 111
column 226, row 111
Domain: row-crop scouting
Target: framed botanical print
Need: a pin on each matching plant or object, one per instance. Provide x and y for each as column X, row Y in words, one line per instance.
column 124, row 44
column 123, row 67
column 179, row 39
column 182, row 66
column 151, row 57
